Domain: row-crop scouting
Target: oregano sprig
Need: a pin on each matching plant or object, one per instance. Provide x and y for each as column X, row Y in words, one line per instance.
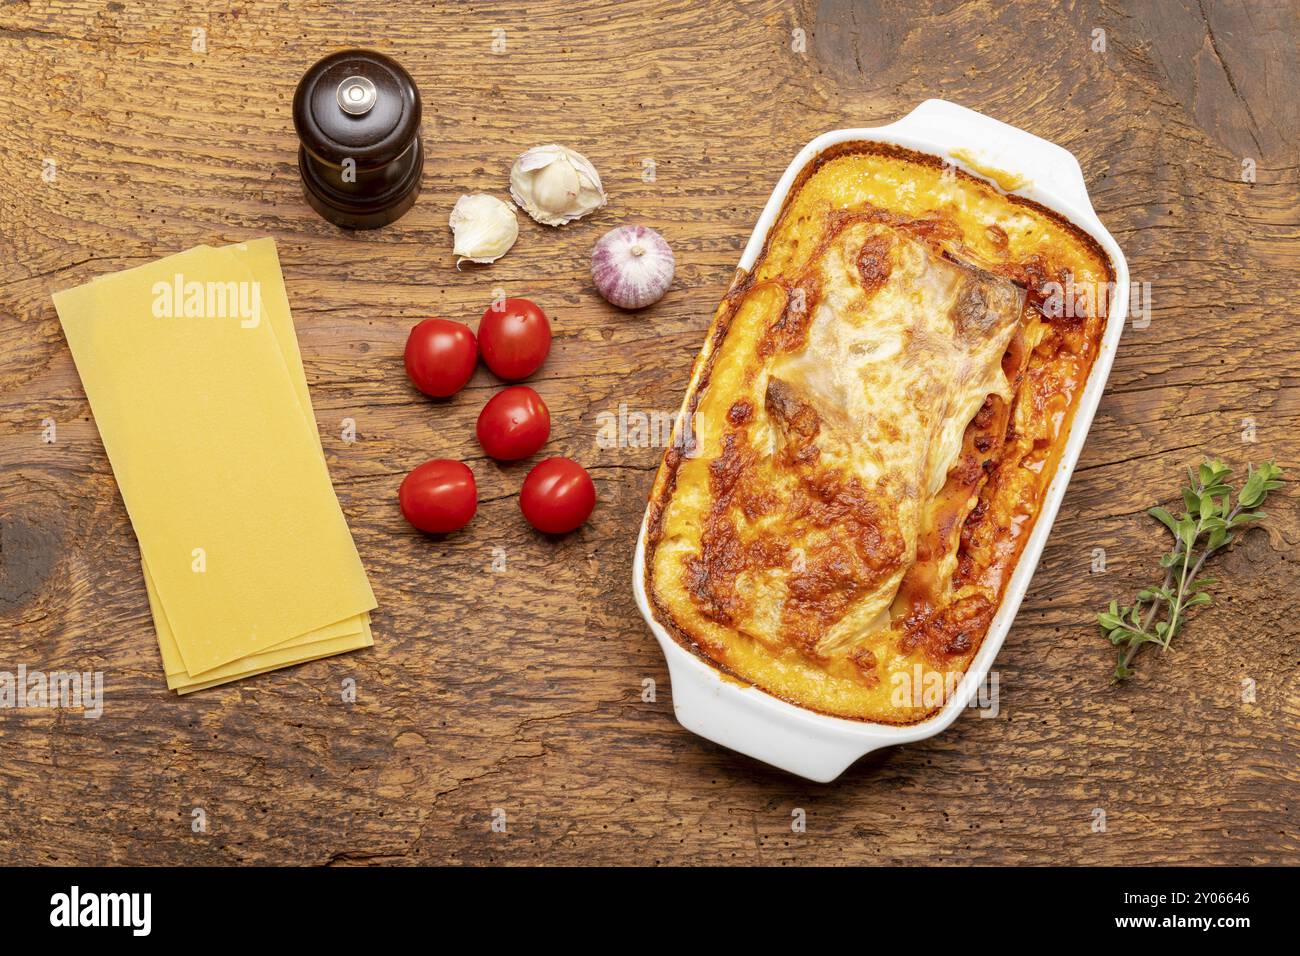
column 1205, row 527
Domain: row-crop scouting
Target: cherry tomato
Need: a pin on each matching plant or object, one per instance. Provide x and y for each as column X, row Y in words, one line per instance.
column 439, row 496
column 514, row 424
column 557, row 496
column 440, row 356
column 515, row 338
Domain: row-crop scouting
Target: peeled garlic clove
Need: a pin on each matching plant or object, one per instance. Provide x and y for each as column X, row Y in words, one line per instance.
column 556, row 185
column 484, row 228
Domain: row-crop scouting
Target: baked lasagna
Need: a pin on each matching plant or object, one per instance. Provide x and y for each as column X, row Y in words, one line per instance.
column 869, row 433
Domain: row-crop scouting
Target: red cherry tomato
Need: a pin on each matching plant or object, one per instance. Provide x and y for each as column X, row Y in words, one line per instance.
column 557, row 496
column 514, row 424
column 439, row 496
column 515, row 338
column 440, row 356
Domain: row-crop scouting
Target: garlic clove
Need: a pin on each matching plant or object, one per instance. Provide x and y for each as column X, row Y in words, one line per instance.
column 484, row 228
column 556, row 185
column 555, row 188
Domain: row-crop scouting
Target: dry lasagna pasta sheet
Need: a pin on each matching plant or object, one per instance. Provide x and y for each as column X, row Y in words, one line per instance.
column 193, row 373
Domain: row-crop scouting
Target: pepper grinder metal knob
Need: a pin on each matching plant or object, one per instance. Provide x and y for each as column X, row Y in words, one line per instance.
column 357, row 114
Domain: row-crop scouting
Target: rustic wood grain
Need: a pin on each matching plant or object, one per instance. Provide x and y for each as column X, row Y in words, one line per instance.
column 522, row 690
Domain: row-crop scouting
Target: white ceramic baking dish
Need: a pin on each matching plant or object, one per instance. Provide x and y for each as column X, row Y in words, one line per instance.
column 814, row 745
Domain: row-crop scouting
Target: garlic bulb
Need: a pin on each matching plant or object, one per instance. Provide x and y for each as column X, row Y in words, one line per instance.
column 632, row 266
column 484, row 228
column 555, row 185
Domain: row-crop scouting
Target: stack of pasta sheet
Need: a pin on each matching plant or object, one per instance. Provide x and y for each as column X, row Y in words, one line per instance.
column 193, row 373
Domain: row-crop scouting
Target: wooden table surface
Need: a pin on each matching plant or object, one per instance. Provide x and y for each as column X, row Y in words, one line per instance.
column 521, row 689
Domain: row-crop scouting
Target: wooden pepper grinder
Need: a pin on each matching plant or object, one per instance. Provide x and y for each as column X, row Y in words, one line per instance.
column 357, row 114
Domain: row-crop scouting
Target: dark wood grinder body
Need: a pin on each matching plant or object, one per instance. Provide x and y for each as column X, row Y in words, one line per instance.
column 357, row 114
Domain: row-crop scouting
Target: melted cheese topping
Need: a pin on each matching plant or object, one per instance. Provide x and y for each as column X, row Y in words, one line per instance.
column 875, row 412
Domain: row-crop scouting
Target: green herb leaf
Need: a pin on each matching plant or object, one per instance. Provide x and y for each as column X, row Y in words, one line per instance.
column 1122, row 671
column 1208, row 522
column 1165, row 518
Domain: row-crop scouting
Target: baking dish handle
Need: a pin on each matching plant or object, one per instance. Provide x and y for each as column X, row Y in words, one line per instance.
column 746, row 720
column 994, row 143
